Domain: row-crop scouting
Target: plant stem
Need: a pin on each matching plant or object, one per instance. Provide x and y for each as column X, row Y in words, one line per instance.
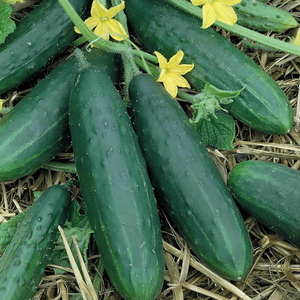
column 240, row 30
column 58, row 166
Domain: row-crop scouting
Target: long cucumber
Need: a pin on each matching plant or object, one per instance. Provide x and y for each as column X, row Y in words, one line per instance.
column 270, row 192
column 39, row 37
column 25, row 258
column 37, row 128
column 115, row 186
column 187, row 182
column 261, row 105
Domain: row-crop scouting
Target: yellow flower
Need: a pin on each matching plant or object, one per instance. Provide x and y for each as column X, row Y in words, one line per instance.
column 102, row 20
column 1, row 101
column 220, row 10
column 296, row 41
column 171, row 72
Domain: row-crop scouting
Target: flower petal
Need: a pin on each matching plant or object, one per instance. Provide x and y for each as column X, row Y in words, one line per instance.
column 171, row 87
column 92, row 22
column 228, row 2
column 102, row 31
column 114, row 10
column 162, row 61
column 225, row 14
column 98, row 10
column 182, row 69
column 297, row 38
column 162, row 76
column 116, row 27
column 199, row 2
column 175, row 60
column 179, row 80
column 209, row 15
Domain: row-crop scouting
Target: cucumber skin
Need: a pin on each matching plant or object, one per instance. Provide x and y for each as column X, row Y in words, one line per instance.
column 262, row 105
column 116, row 189
column 269, row 192
column 263, row 17
column 187, row 181
column 42, row 35
column 26, row 257
column 37, row 128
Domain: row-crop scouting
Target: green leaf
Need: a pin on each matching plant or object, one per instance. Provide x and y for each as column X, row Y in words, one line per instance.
column 7, row 26
column 217, row 131
column 222, row 95
column 8, row 229
column 78, row 226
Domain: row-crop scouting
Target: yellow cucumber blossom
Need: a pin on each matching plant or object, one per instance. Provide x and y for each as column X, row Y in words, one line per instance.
column 1, row 102
column 171, row 72
column 102, row 20
column 220, row 10
column 296, row 41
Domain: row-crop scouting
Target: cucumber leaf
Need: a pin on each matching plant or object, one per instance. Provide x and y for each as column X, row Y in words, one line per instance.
column 217, row 130
column 7, row 25
column 215, row 126
column 78, row 226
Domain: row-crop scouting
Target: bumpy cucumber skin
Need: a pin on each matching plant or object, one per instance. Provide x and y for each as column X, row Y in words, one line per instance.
column 262, row 105
column 116, row 188
column 270, row 192
column 25, row 258
column 263, row 17
column 42, row 35
column 37, row 128
column 187, row 181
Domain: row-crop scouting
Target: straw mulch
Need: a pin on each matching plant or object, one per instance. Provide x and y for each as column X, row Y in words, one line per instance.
column 276, row 263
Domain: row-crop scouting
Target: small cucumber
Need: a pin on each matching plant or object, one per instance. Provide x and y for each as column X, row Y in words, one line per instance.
column 187, row 181
column 37, row 128
column 25, row 258
column 270, row 192
column 261, row 105
column 115, row 186
column 263, row 17
column 39, row 37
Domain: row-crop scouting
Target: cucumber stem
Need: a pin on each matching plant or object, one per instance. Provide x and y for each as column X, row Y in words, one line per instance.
column 81, row 59
column 240, row 30
column 58, row 166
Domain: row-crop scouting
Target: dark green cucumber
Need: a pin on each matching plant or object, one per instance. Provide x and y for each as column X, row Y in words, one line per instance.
column 116, row 188
column 37, row 128
column 43, row 34
column 25, row 258
column 188, row 182
column 263, row 17
column 262, row 105
column 270, row 192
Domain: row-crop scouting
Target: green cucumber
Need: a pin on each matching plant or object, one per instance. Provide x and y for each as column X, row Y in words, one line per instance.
column 39, row 37
column 263, row 17
column 270, row 192
column 37, row 128
column 261, row 105
column 187, row 181
column 116, row 188
column 25, row 258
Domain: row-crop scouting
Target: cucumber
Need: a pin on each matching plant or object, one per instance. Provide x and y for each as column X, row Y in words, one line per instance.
column 187, row 182
column 116, row 188
column 263, row 17
column 270, row 192
column 37, row 128
column 25, row 258
column 262, row 105
column 39, row 37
